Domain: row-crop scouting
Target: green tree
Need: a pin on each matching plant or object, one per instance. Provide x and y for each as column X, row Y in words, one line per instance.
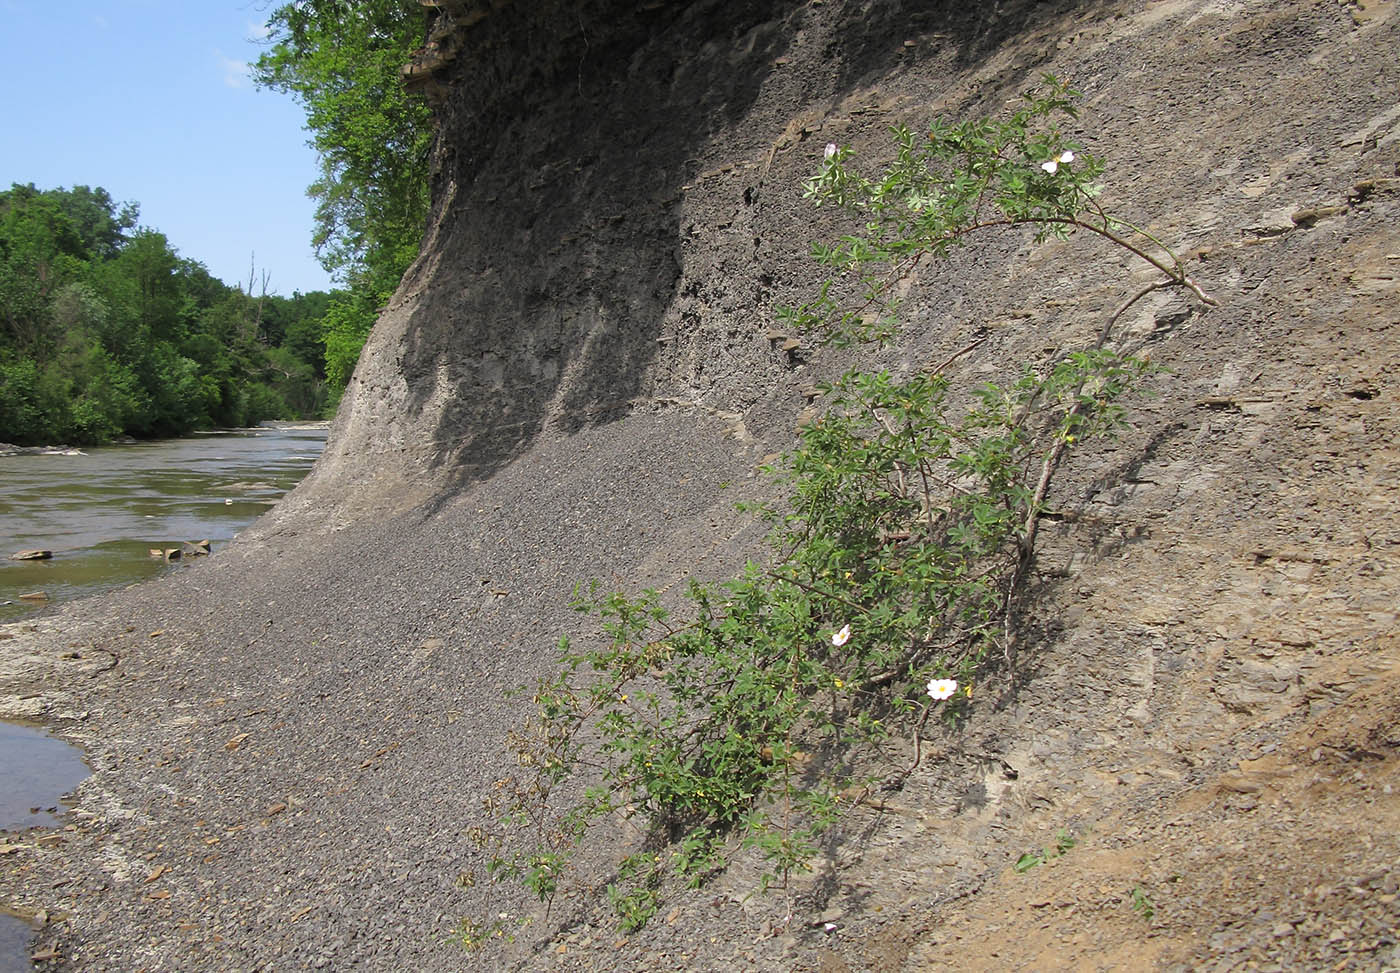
column 100, row 225
column 27, row 405
column 40, row 250
column 106, row 329
column 346, row 326
column 296, row 323
column 341, row 59
column 294, row 382
column 150, row 266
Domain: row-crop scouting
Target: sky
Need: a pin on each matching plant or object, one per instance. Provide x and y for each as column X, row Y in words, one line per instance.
column 151, row 100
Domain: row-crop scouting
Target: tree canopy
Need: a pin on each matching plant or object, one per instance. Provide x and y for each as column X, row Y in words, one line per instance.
column 341, row 59
column 105, row 330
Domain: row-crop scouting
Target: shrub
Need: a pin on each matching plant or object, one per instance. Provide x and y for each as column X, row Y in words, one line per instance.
column 752, row 715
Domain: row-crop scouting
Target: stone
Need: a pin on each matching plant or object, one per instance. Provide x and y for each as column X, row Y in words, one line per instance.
column 1276, row 222
column 1306, row 218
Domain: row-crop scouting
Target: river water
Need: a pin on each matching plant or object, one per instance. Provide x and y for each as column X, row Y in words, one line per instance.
column 100, row 512
column 104, row 509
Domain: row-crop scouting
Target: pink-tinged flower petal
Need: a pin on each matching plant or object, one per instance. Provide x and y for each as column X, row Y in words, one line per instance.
column 830, row 149
column 1051, row 166
column 841, row 637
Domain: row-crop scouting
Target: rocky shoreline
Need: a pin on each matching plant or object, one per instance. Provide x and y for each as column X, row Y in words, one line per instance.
column 290, row 752
column 9, row 449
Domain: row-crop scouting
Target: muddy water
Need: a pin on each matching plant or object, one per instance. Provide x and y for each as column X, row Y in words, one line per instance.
column 14, row 945
column 38, row 770
column 101, row 511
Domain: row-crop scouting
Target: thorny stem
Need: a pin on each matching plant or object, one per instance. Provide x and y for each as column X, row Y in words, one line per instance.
column 955, row 356
column 928, row 494
column 918, row 750
column 1175, row 272
column 1176, row 277
column 1108, row 325
column 815, row 590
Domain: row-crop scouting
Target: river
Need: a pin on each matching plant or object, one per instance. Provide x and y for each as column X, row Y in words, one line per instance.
column 101, row 511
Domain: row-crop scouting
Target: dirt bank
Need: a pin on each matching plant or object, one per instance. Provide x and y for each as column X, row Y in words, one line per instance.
column 291, row 742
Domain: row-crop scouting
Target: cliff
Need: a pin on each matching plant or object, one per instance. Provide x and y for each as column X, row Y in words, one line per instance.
column 581, row 374
column 617, row 212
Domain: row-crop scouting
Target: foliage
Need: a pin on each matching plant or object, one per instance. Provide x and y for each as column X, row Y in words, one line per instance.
column 153, row 345
column 1142, row 905
column 348, row 320
column 1064, row 841
column 105, row 330
column 634, row 897
column 341, row 59
column 757, row 712
column 950, row 184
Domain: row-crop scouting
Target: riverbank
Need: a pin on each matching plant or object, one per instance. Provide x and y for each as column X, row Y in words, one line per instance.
column 292, row 741
column 334, row 693
column 101, row 513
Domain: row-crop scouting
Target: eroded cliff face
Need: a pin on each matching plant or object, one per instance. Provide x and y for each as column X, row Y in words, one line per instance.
column 616, row 214
column 580, row 376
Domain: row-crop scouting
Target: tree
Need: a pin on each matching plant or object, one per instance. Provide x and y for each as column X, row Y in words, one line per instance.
column 341, row 59
column 100, row 225
column 40, row 250
column 106, row 330
column 150, row 264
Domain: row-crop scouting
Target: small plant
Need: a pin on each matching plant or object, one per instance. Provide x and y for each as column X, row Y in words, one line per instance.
column 1064, row 841
column 1028, row 860
column 1142, row 905
column 755, row 714
column 474, row 934
column 636, row 901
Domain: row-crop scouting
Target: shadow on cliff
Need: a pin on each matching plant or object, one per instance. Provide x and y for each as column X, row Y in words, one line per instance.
column 567, row 140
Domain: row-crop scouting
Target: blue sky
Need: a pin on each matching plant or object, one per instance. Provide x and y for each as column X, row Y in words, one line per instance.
column 151, row 100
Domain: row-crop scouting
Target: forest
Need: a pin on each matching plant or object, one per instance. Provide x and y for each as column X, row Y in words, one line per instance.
column 107, row 331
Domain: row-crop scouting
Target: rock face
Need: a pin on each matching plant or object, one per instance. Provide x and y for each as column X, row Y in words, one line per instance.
column 616, row 214
column 569, row 135
column 580, row 375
